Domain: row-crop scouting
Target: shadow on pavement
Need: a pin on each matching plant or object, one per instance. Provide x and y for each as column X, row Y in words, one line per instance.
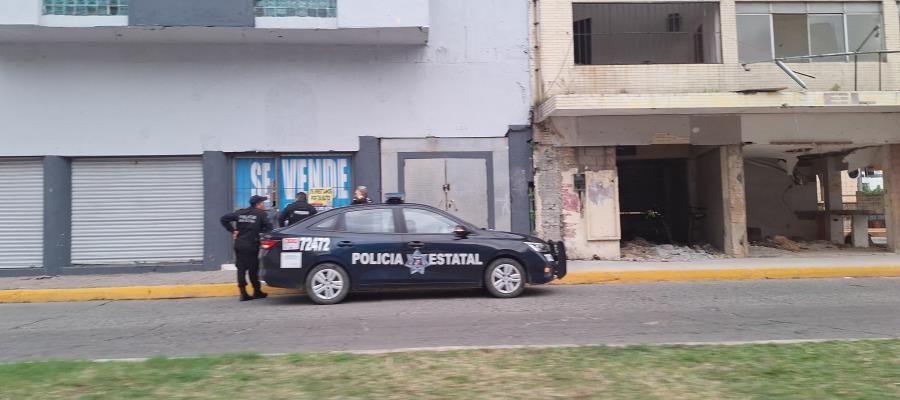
column 413, row 294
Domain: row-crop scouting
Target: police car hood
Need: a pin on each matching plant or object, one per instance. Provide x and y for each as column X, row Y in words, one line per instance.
column 511, row 236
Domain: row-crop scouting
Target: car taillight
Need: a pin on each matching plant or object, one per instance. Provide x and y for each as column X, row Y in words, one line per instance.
column 268, row 244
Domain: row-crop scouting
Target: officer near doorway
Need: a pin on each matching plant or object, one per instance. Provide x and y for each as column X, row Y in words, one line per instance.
column 297, row 211
column 245, row 226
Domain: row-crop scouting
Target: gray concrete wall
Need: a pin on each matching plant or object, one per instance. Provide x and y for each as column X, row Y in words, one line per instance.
column 217, row 195
column 773, row 199
column 184, row 98
column 709, row 196
column 57, row 214
column 191, row 13
column 521, row 175
column 367, row 167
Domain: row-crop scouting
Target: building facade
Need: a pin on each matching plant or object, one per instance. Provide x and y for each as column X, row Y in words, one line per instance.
column 131, row 126
column 672, row 121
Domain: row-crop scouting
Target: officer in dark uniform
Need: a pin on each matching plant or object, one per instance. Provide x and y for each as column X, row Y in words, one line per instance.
column 246, row 225
column 297, row 211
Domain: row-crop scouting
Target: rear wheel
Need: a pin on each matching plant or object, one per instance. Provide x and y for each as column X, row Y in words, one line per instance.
column 327, row 284
column 505, row 278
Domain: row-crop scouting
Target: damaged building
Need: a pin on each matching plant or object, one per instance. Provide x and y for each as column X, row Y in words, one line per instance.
column 715, row 123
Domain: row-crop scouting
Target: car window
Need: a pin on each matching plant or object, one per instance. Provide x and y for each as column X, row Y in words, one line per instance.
column 427, row 222
column 327, row 225
column 380, row 220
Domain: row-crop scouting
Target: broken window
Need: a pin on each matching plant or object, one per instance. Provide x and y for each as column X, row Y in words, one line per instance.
column 646, row 33
column 777, row 30
column 296, row 8
column 86, row 8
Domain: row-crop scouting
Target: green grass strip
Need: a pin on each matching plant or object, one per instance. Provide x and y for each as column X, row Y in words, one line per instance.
column 825, row 370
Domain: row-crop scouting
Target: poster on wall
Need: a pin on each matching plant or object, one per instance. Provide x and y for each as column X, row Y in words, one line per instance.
column 253, row 177
column 325, row 179
column 321, row 198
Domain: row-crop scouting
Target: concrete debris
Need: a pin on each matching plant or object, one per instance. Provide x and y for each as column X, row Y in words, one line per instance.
column 798, row 244
column 784, row 243
column 640, row 249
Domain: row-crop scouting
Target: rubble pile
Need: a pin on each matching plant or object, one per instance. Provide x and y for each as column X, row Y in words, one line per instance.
column 797, row 244
column 640, row 249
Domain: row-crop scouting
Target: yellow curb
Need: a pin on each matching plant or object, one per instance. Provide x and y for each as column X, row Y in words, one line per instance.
column 576, row 278
column 573, row 278
column 127, row 293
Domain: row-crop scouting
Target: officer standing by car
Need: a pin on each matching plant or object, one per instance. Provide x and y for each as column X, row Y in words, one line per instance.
column 296, row 211
column 245, row 226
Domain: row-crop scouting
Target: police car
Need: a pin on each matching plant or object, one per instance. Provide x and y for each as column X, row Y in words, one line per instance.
column 377, row 246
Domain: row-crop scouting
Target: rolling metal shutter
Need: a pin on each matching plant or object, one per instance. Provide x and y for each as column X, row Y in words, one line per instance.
column 21, row 214
column 127, row 211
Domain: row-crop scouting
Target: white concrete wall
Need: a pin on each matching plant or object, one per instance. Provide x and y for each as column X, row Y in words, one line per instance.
column 157, row 99
column 377, row 14
column 20, row 12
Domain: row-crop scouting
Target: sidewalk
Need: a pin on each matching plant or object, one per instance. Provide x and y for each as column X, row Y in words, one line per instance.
column 221, row 283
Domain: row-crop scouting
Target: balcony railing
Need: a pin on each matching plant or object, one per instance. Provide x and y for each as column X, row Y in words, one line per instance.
column 296, row 8
column 85, row 7
column 263, row 8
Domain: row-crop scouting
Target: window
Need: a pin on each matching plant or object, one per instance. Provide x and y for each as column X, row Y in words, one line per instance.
column 379, row 220
column 646, row 33
column 327, row 225
column 427, row 222
column 86, row 7
column 778, row 30
column 296, row 8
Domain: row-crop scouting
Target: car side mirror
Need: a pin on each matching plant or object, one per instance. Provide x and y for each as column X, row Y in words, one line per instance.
column 460, row 231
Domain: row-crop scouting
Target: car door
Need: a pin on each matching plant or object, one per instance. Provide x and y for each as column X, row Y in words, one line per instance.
column 370, row 245
column 440, row 255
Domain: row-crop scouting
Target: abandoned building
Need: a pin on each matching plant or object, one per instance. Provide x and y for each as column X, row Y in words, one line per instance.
column 715, row 123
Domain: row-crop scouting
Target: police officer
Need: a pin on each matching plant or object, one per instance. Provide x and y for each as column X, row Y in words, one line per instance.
column 245, row 226
column 297, row 211
column 361, row 196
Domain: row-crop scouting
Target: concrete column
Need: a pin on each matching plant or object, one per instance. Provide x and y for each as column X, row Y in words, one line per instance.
column 860, row 231
column 367, row 167
column 216, row 202
column 57, row 214
column 728, row 25
column 521, row 174
column 891, row 168
column 834, row 198
column 734, row 200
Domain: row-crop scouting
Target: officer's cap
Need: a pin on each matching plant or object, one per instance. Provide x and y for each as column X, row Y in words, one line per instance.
column 257, row 199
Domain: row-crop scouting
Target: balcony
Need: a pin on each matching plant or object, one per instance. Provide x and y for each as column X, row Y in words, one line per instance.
column 344, row 22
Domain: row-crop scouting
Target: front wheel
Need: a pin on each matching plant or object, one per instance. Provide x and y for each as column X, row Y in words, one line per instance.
column 505, row 278
column 327, row 284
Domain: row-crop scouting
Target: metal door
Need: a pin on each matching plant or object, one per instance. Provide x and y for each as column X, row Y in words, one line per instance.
column 21, row 214
column 127, row 211
column 456, row 185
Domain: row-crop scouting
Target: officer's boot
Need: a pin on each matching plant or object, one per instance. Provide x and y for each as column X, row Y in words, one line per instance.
column 258, row 293
column 244, row 295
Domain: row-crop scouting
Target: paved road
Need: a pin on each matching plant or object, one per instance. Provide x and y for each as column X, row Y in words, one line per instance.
column 589, row 314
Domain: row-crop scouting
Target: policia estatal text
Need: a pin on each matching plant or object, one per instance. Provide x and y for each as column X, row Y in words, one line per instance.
column 246, row 225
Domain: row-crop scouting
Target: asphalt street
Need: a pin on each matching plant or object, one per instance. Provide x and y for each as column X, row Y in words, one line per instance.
column 547, row 315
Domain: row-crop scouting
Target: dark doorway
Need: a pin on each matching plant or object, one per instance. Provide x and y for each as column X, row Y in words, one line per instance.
column 654, row 200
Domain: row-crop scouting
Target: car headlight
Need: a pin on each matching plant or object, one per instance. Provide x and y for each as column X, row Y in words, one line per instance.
column 538, row 247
